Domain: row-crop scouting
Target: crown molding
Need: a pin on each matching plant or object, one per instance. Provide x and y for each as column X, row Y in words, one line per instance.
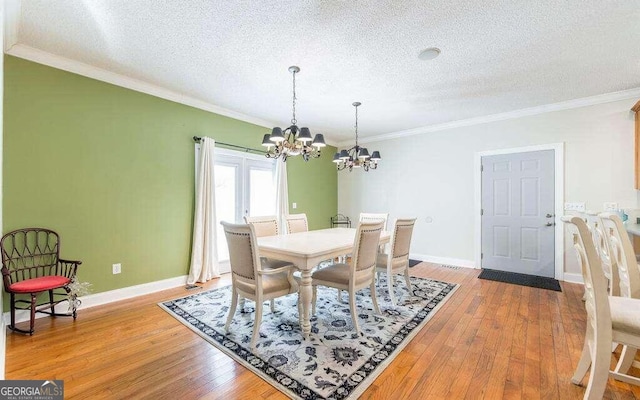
column 90, row 71
column 564, row 105
column 12, row 11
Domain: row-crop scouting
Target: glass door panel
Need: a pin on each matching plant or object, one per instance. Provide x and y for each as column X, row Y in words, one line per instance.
column 262, row 190
column 227, row 187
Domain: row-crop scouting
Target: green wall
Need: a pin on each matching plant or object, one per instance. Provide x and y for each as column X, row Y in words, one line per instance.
column 111, row 170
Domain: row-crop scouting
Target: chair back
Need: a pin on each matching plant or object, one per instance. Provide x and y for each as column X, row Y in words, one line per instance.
column 595, row 283
column 264, row 225
column 372, row 217
column 401, row 241
column 365, row 246
column 29, row 253
column 297, row 223
column 243, row 250
column 603, row 248
column 623, row 255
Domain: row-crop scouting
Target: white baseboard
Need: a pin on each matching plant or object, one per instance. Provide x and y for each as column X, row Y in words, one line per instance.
column 443, row 260
column 573, row 277
column 110, row 296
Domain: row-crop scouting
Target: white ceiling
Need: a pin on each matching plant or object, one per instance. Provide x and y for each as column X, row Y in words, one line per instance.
column 497, row 56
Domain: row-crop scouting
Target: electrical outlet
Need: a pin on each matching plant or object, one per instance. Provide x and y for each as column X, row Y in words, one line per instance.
column 575, row 206
column 294, row 205
column 117, row 268
column 610, row 206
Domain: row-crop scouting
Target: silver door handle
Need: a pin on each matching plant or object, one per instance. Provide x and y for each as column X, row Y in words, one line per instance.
column 550, row 224
column 549, row 216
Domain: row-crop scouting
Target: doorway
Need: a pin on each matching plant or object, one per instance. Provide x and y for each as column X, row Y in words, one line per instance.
column 519, row 196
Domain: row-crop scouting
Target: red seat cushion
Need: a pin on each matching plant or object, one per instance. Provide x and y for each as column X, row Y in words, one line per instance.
column 39, row 284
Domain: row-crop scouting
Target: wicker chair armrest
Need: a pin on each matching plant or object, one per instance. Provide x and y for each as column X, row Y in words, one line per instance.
column 68, row 268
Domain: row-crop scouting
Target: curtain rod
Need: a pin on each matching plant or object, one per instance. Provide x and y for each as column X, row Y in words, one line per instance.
column 197, row 139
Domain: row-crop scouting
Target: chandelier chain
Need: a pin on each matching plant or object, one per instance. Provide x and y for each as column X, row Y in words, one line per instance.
column 294, row 120
column 356, row 126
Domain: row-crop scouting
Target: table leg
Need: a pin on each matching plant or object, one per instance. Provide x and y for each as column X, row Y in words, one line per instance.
column 305, row 298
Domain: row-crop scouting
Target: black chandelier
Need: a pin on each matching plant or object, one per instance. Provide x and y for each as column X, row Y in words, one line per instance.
column 356, row 157
column 293, row 141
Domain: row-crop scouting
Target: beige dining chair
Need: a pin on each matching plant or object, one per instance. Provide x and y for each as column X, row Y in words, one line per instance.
column 397, row 260
column 609, row 318
column 603, row 248
column 297, row 223
column 358, row 274
column 249, row 280
column 628, row 274
column 372, row 217
column 267, row 226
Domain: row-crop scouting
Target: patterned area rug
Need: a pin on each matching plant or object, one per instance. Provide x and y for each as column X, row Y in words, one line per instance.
column 334, row 363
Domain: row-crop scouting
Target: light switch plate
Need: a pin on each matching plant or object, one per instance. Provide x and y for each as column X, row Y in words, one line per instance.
column 610, row 206
column 575, row 206
column 294, row 205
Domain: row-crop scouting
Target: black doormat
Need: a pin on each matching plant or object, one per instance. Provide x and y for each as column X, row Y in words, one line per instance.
column 540, row 282
column 413, row 263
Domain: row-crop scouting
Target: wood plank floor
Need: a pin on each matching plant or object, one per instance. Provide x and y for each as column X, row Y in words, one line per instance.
column 490, row 340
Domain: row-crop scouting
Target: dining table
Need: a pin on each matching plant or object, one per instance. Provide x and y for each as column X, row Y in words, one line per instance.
column 306, row 250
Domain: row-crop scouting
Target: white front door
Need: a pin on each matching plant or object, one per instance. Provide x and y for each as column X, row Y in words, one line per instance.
column 518, row 231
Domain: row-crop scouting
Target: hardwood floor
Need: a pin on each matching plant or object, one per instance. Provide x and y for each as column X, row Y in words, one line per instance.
column 490, row 340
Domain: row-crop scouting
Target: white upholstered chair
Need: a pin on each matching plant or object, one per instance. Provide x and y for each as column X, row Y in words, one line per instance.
column 267, row 226
column 628, row 273
column 358, row 274
column 397, row 260
column 609, row 318
column 248, row 277
column 372, row 217
column 297, row 223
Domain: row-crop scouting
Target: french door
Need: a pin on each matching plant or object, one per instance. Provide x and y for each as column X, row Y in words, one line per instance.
column 244, row 185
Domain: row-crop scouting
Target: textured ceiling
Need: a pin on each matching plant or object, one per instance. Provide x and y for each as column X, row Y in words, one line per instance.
column 497, row 56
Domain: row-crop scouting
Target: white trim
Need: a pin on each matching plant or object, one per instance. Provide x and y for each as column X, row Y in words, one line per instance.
column 110, row 296
column 12, row 11
column 573, row 277
column 90, row 71
column 558, row 149
column 458, row 262
column 564, row 105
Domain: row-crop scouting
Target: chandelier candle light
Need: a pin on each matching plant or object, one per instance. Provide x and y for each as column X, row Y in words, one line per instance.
column 356, row 156
column 293, row 141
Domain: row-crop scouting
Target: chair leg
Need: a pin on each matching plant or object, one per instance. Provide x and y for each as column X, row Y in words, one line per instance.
column 33, row 313
column 314, row 298
column 374, row 297
column 272, row 304
column 626, row 359
column 392, row 295
column 256, row 323
column 299, row 310
column 407, row 278
column 585, row 358
column 13, row 311
column 53, row 307
column 339, row 296
column 232, row 310
column 242, row 303
column 599, row 370
column 354, row 314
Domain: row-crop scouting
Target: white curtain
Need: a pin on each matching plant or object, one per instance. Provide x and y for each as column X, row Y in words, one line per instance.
column 282, row 194
column 204, row 257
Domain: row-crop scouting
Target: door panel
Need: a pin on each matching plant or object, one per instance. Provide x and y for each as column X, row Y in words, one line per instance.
column 517, row 195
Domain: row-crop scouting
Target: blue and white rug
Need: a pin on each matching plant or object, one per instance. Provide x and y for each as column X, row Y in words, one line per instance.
column 334, row 363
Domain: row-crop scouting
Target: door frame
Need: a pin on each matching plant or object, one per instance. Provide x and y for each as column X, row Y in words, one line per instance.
column 558, row 150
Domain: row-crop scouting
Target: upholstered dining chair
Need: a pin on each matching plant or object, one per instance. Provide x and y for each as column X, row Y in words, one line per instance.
column 373, row 217
column 267, row 226
column 609, row 318
column 628, row 274
column 248, row 277
column 397, row 260
column 297, row 223
column 360, row 273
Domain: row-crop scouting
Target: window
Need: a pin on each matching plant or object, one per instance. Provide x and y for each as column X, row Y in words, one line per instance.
column 244, row 185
